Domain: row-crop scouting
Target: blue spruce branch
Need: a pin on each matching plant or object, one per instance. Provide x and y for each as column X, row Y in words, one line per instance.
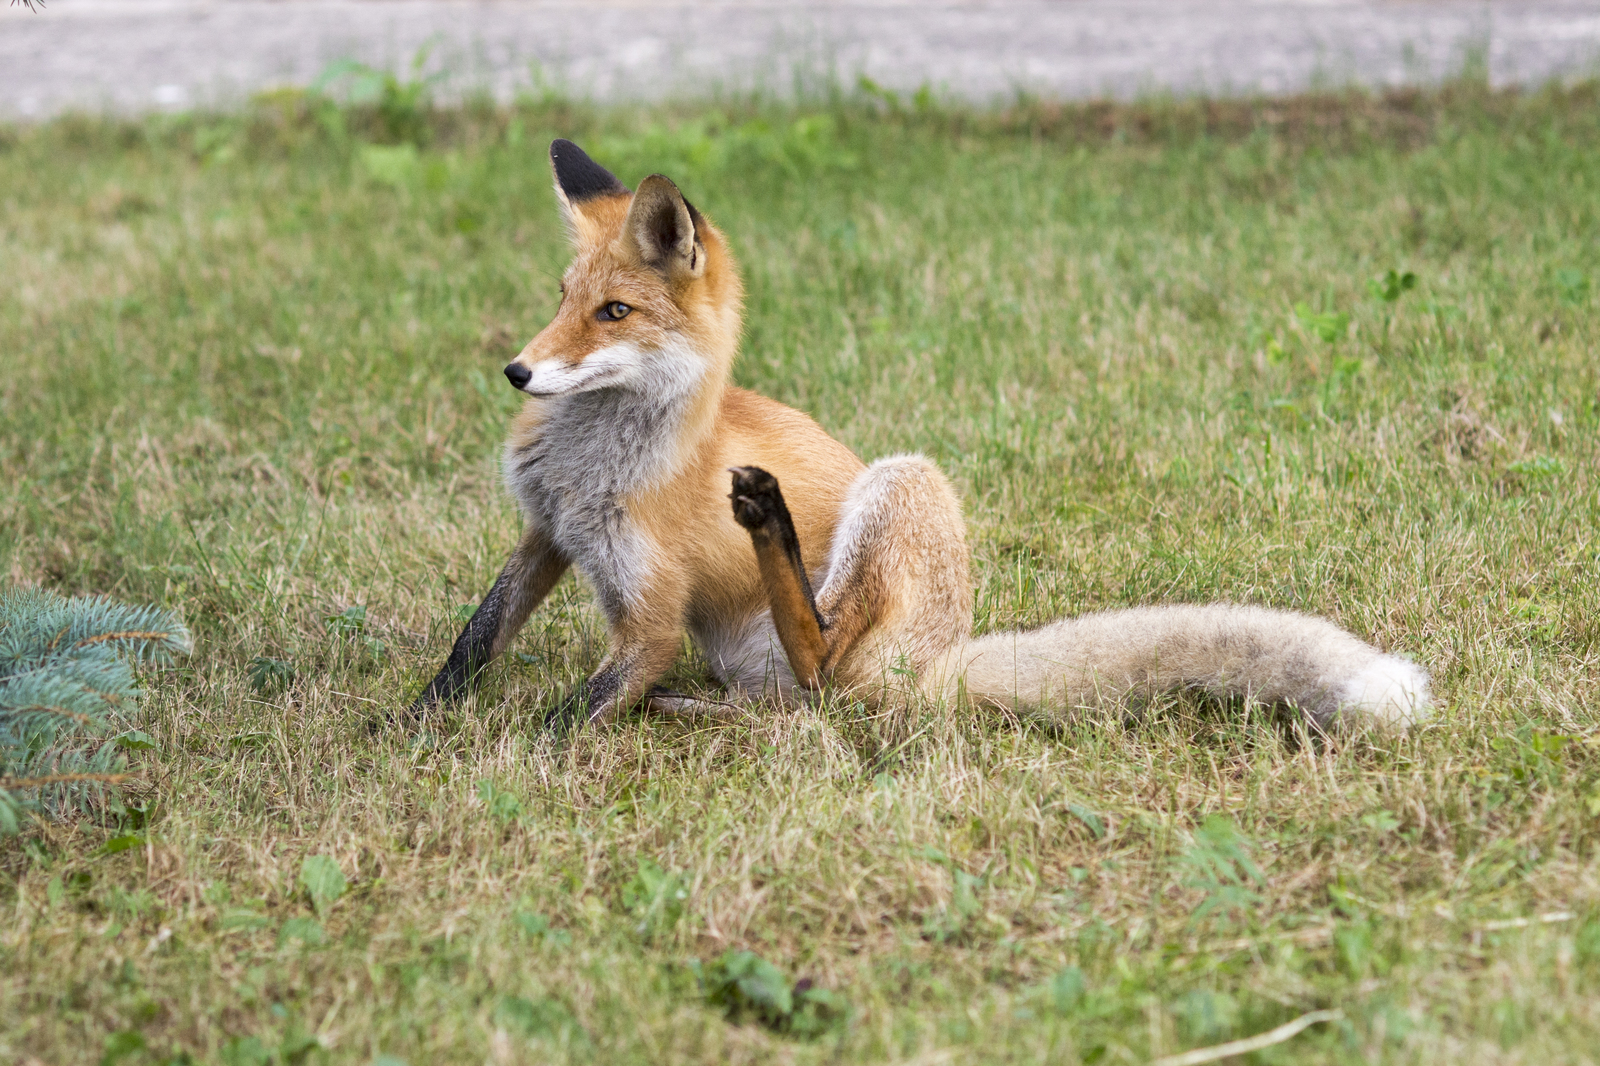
column 66, row 668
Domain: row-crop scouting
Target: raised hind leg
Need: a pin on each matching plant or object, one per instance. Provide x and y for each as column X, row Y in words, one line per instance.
column 896, row 591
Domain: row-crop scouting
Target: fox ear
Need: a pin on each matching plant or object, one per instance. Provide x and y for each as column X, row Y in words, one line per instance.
column 580, row 179
column 665, row 229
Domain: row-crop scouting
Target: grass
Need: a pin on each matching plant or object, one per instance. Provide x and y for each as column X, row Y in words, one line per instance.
column 252, row 373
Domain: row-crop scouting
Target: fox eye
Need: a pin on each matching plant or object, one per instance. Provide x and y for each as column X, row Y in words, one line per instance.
column 614, row 312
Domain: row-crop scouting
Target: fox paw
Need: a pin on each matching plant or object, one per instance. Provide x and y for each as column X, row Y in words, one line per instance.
column 756, row 500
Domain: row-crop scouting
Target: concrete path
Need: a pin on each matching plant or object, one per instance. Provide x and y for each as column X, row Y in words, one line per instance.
column 136, row 55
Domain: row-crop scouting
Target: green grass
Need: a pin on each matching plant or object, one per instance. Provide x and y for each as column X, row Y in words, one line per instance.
column 251, row 372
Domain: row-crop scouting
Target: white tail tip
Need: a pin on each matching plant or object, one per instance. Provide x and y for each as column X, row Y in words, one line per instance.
column 1391, row 691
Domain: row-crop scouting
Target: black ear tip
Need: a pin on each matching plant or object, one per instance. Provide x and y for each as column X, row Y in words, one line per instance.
column 579, row 176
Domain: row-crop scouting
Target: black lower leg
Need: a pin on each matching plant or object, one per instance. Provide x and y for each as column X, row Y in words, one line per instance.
column 590, row 700
column 474, row 648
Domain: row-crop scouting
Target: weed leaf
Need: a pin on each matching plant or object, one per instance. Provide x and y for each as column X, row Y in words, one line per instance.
column 322, row 879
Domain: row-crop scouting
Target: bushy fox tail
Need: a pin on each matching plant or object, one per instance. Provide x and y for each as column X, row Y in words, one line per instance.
column 1273, row 657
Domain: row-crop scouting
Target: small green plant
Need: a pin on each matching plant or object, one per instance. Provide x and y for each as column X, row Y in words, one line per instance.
column 748, row 987
column 542, row 1018
column 1391, row 285
column 351, row 625
column 537, row 927
column 65, row 673
column 1218, row 864
column 400, row 108
column 655, row 897
column 125, row 1043
column 1064, row 993
column 922, row 101
column 1388, row 287
column 1573, row 286
column 955, row 919
column 1207, row 1015
column 307, row 931
column 1353, row 947
column 1380, row 822
column 1091, row 820
column 1586, row 942
column 1531, row 756
column 350, row 621
column 395, row 165
column 503, row 806
column 323, row 881
column 1538, row 466
column 1330, row 327
column 269, row 675
column 245, row 1051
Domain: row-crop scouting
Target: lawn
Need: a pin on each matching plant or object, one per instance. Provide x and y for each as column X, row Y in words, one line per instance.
column 252, row 373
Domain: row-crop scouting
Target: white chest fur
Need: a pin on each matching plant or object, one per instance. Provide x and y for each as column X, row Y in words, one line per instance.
column 591, row 452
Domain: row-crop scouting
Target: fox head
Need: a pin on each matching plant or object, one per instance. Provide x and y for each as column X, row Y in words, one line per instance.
column 651, row 301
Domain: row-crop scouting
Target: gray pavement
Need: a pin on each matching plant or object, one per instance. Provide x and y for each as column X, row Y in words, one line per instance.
column 139, row 55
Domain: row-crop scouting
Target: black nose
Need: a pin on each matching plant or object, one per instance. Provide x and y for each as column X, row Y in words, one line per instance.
column 518, row 375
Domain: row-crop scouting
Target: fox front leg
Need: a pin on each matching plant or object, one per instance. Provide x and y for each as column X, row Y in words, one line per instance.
column 529, row 575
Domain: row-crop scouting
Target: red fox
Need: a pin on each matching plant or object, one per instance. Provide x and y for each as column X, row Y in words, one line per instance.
column 824, row 573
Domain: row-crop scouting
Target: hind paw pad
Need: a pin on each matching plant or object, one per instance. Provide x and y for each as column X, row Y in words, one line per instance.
column 756, row 499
